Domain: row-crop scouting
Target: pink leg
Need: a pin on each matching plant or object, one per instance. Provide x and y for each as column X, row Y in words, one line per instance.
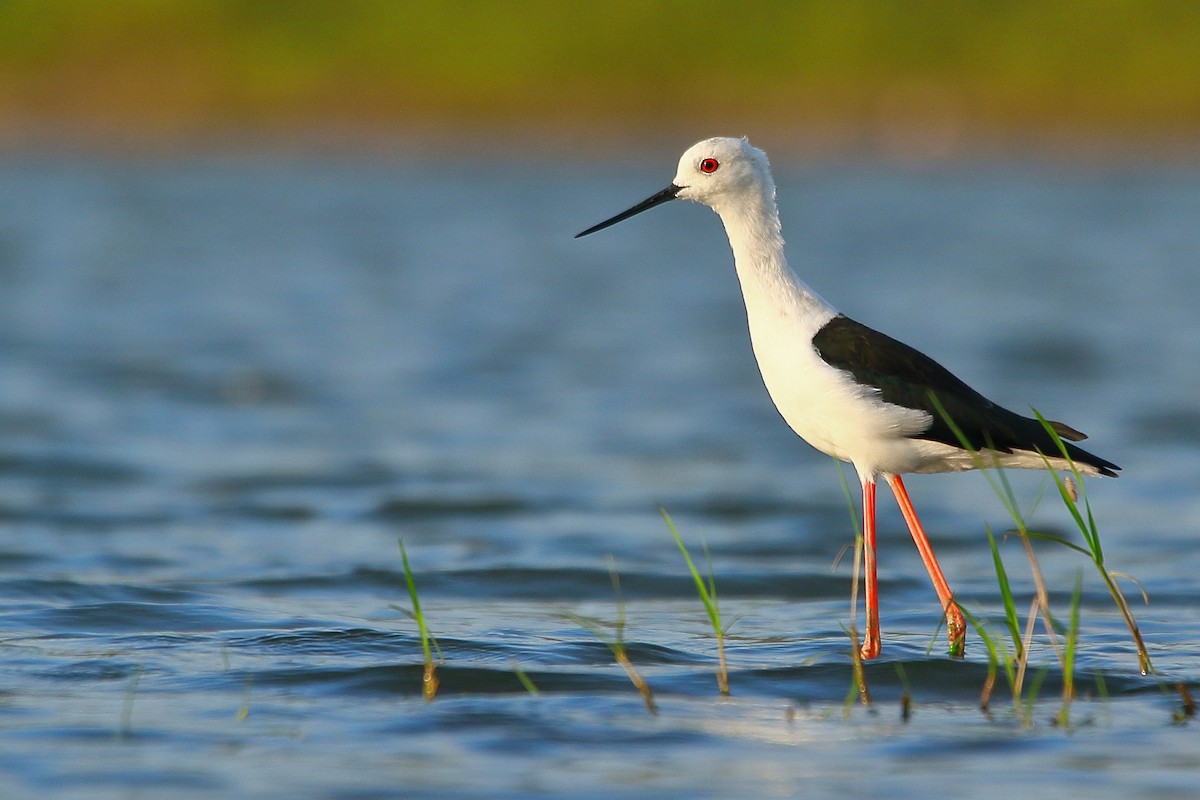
column 956, row 627
column 870, row 645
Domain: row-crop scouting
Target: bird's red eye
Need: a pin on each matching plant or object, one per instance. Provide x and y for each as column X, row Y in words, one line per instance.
column 709, row 165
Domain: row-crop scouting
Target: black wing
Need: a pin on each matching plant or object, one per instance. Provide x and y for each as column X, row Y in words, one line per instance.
column 906, row 377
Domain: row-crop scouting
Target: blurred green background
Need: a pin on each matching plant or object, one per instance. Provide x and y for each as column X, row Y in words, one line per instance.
column 905, row 76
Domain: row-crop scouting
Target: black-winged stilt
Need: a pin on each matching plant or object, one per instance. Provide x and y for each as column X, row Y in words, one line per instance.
column 848, row 390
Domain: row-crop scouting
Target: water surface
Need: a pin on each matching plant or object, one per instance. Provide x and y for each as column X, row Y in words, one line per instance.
column 231, row 383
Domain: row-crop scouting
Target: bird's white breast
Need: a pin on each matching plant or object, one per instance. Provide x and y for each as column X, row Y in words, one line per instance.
column 825, row 405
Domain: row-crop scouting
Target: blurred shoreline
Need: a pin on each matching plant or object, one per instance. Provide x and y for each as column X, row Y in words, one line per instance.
column 934, row 81
column 912, row 143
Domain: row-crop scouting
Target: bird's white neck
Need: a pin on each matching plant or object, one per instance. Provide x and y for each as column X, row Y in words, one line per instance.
column 769, row 287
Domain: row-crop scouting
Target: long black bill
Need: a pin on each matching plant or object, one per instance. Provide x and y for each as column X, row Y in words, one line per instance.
column 666, row 194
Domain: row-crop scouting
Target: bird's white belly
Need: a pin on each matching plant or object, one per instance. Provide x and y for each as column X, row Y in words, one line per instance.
column 832, row 412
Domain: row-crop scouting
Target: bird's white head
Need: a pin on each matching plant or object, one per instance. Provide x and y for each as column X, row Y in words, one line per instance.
column 722, row 173
column 723, row 170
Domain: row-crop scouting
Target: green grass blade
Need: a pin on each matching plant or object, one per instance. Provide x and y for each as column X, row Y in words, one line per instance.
column 992, row 473
column 416, row 614
column 617, row 644
column 1091, row 534
column 850, row 504
column 1050, row 537
column 429, row 681
column 1010, row 609
column 524, row 679
column 858, row 684
column 1031, row 696
column 855, row 573
column 996, row 658
column 707, row 597
column 1070, row 648
column 707, row 590
column 1087, row 528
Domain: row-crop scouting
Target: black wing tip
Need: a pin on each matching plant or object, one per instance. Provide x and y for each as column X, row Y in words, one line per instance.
column 1069, row 434
column 1107, row 468
column 1080, row 456
column 1065, row 431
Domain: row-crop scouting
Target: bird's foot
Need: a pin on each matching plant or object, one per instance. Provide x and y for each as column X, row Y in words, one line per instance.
column 956, row 631
column 870, row 648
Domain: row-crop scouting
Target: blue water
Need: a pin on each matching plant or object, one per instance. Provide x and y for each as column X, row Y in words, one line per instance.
column 230, row 383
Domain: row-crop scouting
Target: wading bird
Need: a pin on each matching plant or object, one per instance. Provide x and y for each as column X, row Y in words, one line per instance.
column 846, row 389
